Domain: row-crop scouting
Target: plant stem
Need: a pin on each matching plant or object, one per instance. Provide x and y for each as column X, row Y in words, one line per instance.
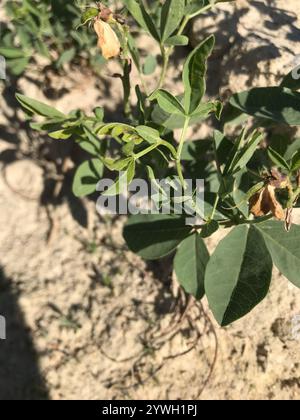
column 146, row 151
column 203, row 10
column 179, row 151
column 126, row 87
column 193, row 15
column 215, row 207
column 183, row 24
column 230, row 223
column 165, row 54
column 293, row 198
column 170, row 147
column 154, row 146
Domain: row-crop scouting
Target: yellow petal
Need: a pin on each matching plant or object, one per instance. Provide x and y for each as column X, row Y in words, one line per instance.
column 107, row 39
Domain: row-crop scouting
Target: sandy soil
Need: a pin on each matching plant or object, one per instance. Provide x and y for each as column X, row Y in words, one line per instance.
column 88, row 319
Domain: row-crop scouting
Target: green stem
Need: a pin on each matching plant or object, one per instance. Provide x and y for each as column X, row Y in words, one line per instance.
column 293, row 198
column 203, row 10
column 126, row 87
column 193, row 15
column 170, row 147
column 215, row 207
column 179, row 151
column 143, row 83
column 183, row 24
column 146, row 151
column 230, row 223
column 165, row 54
column 154, row 146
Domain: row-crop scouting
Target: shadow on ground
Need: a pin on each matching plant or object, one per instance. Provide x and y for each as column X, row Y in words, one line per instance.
column 20, row 378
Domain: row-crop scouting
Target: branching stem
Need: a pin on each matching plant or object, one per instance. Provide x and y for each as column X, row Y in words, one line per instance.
column 179, row 151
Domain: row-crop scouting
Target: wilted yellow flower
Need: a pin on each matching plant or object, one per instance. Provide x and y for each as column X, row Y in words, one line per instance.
column 107, row 39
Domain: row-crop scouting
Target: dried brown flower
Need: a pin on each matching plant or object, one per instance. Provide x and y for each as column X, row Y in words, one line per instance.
column 265, row 202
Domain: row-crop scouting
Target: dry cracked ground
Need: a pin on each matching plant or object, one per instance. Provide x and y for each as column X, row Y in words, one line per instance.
column 87, row 319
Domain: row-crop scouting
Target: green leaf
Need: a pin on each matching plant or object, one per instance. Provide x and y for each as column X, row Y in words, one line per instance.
column 292, row 149
column 134, row 52
column 244, row 190
column 123, row 181
column 12, row 52
column 39, row 108
column 87, row 146
column 87, row 177
column 115, row 129
column 173, row 121
column 279, row 143
column 167, row 102
column 238, row 274
column 48, row 125
column 138, row 11
column 192, row 6
column 284, row 248
column 171, row 15
column 128, row 148
column 194, row 74
column 151, row 135
column 274, row 103
column 92, row 138
column 42, row 49
column 61, row 134
column 278, row 159
column 66, row 57
column 149, row 65
column 209, row 229
column 117, row 165
column 155, row 236
column 24, row 37
column 89, row 14
column 131, row 171
column 247, row 152
column 31, row 8
column 190, row 264
column 177, row 40
column 99, row 113
column 223, row 147
column 18, row 65
column 242, row 153
column 292, row 80
column 235, row 152
column 295, row 164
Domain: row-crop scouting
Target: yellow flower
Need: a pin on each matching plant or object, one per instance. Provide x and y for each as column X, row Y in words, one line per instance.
column 107, row 39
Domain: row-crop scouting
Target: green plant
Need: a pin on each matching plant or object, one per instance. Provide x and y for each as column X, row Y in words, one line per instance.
column 251, row 187
column 46, row 29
